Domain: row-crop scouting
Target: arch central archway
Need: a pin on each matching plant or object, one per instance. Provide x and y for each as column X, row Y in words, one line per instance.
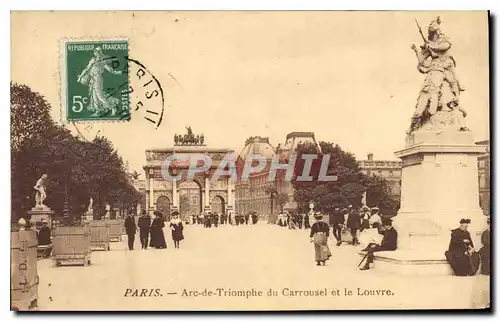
column 163, row 206
column 190, row 198
column 218, row 204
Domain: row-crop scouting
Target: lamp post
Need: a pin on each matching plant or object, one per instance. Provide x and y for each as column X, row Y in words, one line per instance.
column 273, row 196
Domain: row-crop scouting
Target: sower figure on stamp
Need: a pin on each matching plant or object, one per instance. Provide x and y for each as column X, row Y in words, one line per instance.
column 92, row 76
column 130, row 228
column 40, row 194
column 144, row 225
column 389, row 242
column 320, row 231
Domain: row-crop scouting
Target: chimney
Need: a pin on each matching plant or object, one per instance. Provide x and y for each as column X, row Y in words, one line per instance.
column 370, row 156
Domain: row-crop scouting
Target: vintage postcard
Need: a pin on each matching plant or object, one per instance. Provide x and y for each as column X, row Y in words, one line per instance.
column 250, row 161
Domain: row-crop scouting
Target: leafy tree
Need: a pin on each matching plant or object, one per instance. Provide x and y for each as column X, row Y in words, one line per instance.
column 353, row 193
column 29, row 116
column 76, row 169
column 347, row 189
column 282, row 199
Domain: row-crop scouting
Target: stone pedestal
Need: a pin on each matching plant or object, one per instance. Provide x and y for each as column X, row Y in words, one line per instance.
column 89, row 216
column 41, row 212
column 439, row 187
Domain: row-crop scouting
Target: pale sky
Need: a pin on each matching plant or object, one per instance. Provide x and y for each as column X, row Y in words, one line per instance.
column 350, row 77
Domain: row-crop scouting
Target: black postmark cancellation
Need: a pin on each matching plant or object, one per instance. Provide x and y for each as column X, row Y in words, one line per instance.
column 146, row 94
column 143, row 89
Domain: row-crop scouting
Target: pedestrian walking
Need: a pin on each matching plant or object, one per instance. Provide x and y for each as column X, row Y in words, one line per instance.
column 144, row 226
column 306, row 222
column 177, row 229
column 353, row 223
column 337, row 220
column 130, row 228
column 157, row 236
column 320, row 231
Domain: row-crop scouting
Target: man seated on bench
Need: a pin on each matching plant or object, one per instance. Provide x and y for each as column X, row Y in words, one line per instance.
column 389, row 242
column 44, row 240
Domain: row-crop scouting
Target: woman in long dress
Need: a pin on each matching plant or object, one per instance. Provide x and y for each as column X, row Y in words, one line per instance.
column 177, row 228
column 320, row 231
column 157, row 236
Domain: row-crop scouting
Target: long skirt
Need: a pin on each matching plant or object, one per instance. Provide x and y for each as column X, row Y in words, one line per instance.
column 321, row 249
column 177, row 235
column 460, row 263
column 157, row 238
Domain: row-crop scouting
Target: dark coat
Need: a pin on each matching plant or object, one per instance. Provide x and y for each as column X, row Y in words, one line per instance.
column 130, row 226
column 459, row 241
column 390, row 240
column 337, row 218
column 177, row 231
column 485, row 253
column 44, row 236
column 144, row 224
column 353, row 219
column 318, row 227
column 157, row 236
column 456, row 255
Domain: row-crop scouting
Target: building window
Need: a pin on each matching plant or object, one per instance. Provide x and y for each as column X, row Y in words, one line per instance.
column 391, row 173
column 482, row 163
column 482, row 181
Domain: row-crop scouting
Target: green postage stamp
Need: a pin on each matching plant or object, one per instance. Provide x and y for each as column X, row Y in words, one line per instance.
column 95, row 80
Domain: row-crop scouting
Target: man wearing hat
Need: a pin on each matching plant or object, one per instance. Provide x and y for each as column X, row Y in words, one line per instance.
column 389, row 242
column 144, row 225
column 44, row 234
column 130, row 228
column 460, row 248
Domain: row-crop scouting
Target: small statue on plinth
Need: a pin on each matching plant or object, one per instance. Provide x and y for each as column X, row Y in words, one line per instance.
column 438, row 66
column 40, row 194
column 90, row 209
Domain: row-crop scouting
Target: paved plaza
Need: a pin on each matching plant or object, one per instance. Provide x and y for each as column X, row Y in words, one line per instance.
column 259, row 257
